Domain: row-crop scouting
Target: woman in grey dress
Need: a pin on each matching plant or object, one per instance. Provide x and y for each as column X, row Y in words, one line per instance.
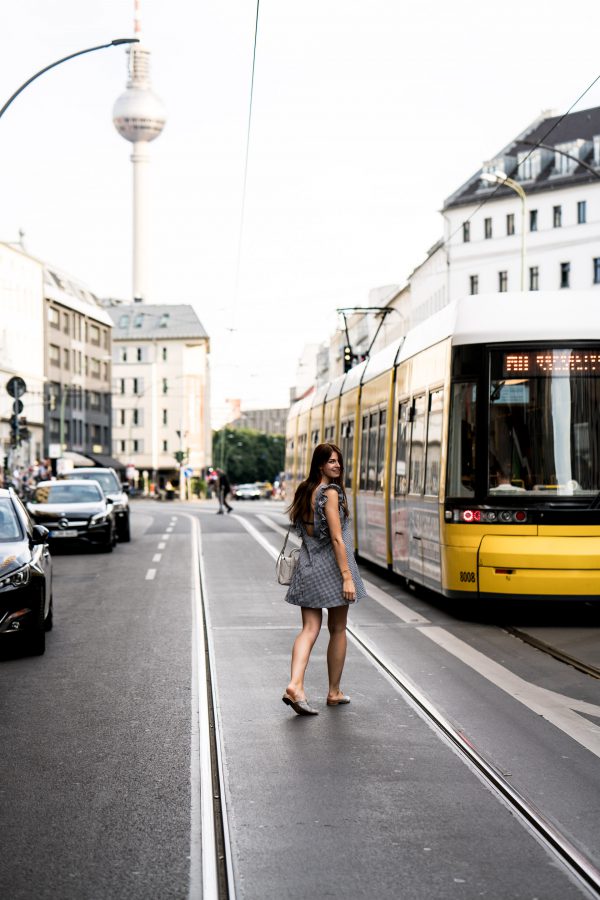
column 326, row 576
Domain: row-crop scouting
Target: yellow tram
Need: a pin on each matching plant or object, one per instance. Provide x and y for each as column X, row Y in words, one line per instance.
column 472, row 447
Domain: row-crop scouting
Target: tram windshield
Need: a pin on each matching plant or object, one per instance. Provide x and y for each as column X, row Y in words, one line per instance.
column 543, row 426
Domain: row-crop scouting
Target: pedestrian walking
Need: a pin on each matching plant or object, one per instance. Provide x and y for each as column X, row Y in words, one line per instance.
column 326, row 576
column 224, row 490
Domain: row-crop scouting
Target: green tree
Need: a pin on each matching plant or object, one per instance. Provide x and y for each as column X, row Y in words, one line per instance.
column 248, row 455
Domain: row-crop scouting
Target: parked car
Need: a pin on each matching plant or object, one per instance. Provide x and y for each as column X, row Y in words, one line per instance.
column 247, row 492
column 75, row 512
column 25, row 576
column 112, row 487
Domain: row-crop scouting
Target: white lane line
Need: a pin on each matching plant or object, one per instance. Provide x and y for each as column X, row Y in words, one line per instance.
column 157, row 557
column 165, row 537
column 558, row 709
column 162, row 546
column 150, row 574
column 169, row 529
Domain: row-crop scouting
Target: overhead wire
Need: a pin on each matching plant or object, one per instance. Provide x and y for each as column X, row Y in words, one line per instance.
column 245, row 180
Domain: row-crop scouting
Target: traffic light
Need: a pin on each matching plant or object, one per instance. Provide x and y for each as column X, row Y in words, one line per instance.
column 347, row 358
column 24, row 432
column 14, row 430
column 179, row 456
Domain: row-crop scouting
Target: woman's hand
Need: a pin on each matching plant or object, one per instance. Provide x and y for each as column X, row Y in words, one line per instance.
column 348, row 589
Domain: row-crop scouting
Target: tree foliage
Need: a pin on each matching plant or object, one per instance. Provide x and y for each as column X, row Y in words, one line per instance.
column 248, row 455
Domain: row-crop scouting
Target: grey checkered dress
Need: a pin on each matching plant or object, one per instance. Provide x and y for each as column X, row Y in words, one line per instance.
column 317, row 580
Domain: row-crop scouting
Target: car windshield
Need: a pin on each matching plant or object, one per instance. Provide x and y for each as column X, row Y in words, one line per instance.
column 106, row 480
column 67, row 493
column 10, row 529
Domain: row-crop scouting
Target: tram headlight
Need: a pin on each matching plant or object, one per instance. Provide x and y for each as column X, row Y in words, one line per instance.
column 487, row 516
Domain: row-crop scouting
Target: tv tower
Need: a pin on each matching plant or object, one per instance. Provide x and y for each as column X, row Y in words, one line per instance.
column 139, row 117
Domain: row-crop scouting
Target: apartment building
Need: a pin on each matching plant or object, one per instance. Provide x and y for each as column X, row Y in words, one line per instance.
column 161, row 388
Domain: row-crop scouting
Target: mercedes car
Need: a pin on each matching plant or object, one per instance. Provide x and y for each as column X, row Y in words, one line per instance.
column 25, row 577
column 75, row 513
column 112, row 487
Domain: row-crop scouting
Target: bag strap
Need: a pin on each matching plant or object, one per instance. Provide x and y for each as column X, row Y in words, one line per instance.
column 286, row 539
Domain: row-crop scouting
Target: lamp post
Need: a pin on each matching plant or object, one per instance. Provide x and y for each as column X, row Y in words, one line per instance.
column 116, row 43
column 498, row 177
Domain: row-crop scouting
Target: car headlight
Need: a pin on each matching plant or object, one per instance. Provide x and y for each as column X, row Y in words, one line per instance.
column 99, row 518
column 16, row 579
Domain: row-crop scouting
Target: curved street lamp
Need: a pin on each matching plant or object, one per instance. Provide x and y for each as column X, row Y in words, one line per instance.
column 116, row 43
column 498, row 177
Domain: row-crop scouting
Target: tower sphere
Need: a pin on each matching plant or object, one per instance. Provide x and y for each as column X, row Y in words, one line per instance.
column 139, row 115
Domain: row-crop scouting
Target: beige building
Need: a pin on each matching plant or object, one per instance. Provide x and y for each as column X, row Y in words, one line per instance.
column 160, row 388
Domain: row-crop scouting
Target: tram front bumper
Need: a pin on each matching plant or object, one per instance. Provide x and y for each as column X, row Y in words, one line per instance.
column 545, row 565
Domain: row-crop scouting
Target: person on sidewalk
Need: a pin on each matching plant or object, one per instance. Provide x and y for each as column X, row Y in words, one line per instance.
column 224, row 490
column 326, row 576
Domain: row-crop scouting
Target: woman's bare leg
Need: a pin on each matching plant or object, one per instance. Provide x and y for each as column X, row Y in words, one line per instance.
column 311, row 625
column 336, row 651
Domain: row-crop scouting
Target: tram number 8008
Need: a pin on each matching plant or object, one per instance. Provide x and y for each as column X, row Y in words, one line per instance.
column 469, row 577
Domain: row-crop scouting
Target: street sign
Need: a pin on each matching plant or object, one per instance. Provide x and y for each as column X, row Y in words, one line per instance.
column 188, row 472
column 16, row 387
column 18, row 407
column 54, row 451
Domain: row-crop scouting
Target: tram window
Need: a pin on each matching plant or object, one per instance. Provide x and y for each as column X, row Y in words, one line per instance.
column 381, row 450
column 434, row 443
column 372, row 452
column 461, row 441
column 347, row 449
column 329, row 433
column 417, row 446
column 401, row 450
column 315, row 438
column 364, row 443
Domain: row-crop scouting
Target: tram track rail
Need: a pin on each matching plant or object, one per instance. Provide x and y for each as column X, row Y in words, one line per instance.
column 215, row 881
column 583, row 869
column 555, row 652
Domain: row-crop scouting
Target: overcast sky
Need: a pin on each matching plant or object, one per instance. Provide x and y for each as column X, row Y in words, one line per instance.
column 367, row 114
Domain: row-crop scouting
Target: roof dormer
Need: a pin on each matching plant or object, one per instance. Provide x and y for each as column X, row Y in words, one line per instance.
column 567, row 156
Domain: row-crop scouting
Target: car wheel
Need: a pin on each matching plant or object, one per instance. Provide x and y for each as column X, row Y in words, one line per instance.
column 125, row 533
column 35, row 639
column 108, row 546
column 50, row 617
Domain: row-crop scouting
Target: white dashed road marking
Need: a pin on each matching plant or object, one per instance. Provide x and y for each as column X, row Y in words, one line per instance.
column 162, row 546
column 150, row 574
column 157, row 557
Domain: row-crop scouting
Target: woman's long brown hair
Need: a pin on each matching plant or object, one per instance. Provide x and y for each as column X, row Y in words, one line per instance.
column 300, row 509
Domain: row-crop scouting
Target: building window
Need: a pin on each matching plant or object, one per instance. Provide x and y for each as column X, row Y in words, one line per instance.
column 565, row 274
column 487, row 228
column 165, row 416
column 121, row 417
column 122, row 443
column 122, row 386
column 139, row 354
column 534, row 278
column 510, row 223
column 473, row 284
column 123, row 354
column 556, row 216
column 94, row 334
column 124, row 321
column 165, row 446
column 597, row 270
column 53, row 317
column 95, row 367
column 66, row 323
column 164, row 354
column 65, row 358
column 466, row 232
column 139, row 320
column 165, row 386
column 533, row 220
column 135, row 417
column 135, row 385
column 136, row 445
column 54, row 355
column 581, row 212
column 503, row 281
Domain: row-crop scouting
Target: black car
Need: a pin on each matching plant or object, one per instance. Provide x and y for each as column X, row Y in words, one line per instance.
column 75, row 512
column 112, row 487
column 25, row 576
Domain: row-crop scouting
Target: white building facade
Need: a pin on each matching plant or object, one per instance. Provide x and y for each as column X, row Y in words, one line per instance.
column 161, row 389
column 22, row 350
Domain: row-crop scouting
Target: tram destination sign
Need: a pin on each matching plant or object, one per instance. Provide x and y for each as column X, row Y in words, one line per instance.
column 551, row 362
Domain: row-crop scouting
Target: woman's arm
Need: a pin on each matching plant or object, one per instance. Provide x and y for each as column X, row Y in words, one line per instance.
column 332, row 514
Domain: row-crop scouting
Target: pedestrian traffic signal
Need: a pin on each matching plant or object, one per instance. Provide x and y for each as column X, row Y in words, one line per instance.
column 347, row 358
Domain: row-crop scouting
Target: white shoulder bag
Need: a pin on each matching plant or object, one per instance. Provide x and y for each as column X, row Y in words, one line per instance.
column 285, row 565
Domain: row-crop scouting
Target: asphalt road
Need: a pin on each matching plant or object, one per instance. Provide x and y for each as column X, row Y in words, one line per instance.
column 362, row 801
